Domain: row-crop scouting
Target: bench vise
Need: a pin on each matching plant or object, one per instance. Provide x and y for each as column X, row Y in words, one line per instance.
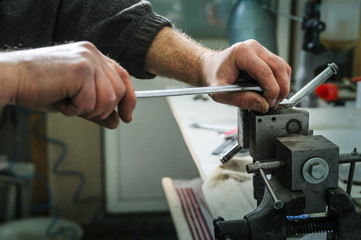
column 295, row 173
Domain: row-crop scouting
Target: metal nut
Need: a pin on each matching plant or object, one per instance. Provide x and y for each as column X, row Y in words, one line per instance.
column 315, row 170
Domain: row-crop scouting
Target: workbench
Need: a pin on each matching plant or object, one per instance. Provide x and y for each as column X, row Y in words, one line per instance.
column 208, row 197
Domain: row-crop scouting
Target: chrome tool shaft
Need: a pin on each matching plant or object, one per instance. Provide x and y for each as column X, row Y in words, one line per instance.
column 195, row 90
column 314, row 83
column 295, row 99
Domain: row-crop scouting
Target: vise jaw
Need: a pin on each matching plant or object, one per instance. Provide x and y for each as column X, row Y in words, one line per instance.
column 310, row 163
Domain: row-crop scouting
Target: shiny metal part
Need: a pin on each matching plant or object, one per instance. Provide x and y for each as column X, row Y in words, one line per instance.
column 243, row 128
column 278, row 204
column 227, row 156
column 215, row 127
column 314, row 83
column 195, row 90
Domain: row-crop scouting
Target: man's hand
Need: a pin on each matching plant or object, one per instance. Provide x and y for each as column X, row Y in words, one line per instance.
column 272, row 73
column 173, row 54
column 74, row 79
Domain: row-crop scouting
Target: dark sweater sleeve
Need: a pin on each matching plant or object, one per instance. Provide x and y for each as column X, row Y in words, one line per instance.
column 27, row 23
column 121, row 29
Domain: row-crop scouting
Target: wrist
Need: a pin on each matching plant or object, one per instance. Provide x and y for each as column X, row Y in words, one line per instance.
column 202, row 69
column 9, row 78
column 175, row 55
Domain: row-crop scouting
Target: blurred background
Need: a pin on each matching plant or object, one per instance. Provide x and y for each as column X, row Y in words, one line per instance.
column 75, row 180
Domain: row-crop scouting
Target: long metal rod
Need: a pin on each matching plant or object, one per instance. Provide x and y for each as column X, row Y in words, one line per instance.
column 295, row 99
column 314, row 83
column 267, row 184
column 278, row 204
column 195, row 90
column 351, row 173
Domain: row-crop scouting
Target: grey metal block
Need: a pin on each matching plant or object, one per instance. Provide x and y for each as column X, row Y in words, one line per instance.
column 264, row 129
column 302, row 153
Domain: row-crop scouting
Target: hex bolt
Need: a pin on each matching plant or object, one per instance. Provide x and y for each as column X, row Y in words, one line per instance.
column 293, row 126
column 354, row 152
column 317, row 171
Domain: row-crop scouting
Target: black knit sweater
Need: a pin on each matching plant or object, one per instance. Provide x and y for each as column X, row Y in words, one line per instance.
column 121, row 29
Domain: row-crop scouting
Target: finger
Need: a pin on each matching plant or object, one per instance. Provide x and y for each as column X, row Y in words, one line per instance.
column 282, row 73
column 78, row 102
column 264, row 75
column 128, row 102
column 257, row 68
column 106, row 95
column 111, row 121
column 243, row 100
column 272, row 72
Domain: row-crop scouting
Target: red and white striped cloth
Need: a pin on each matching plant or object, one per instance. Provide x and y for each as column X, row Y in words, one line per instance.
column 195, row 212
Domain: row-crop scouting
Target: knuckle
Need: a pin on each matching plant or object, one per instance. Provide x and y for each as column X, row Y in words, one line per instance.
column 280, row 63
column 253, row 42
column 242, row 47
column 86, row 109
column 264, row 71
column 124, row 73
column 87, row 45
column 120, row 92
column 88, row 51
column 111, row 101
column 289, row 70
column 83, row 69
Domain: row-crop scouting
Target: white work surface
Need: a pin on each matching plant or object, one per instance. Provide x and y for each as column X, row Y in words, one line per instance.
column 202, row 142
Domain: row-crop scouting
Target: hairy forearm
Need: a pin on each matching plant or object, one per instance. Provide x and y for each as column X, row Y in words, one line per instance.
column 174, row 55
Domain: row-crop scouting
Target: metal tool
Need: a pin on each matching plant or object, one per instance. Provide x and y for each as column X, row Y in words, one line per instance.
column 312, row 85
column 292, row 102
column 242, row 85
column 302, row 177
column 196, row 90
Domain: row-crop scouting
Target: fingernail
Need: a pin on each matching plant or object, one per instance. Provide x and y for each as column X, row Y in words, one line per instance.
column 130, row 117
column 276, row 104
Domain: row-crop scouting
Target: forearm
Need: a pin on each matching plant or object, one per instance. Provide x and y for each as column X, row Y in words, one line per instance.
column 174, row 55
column 10, row 73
